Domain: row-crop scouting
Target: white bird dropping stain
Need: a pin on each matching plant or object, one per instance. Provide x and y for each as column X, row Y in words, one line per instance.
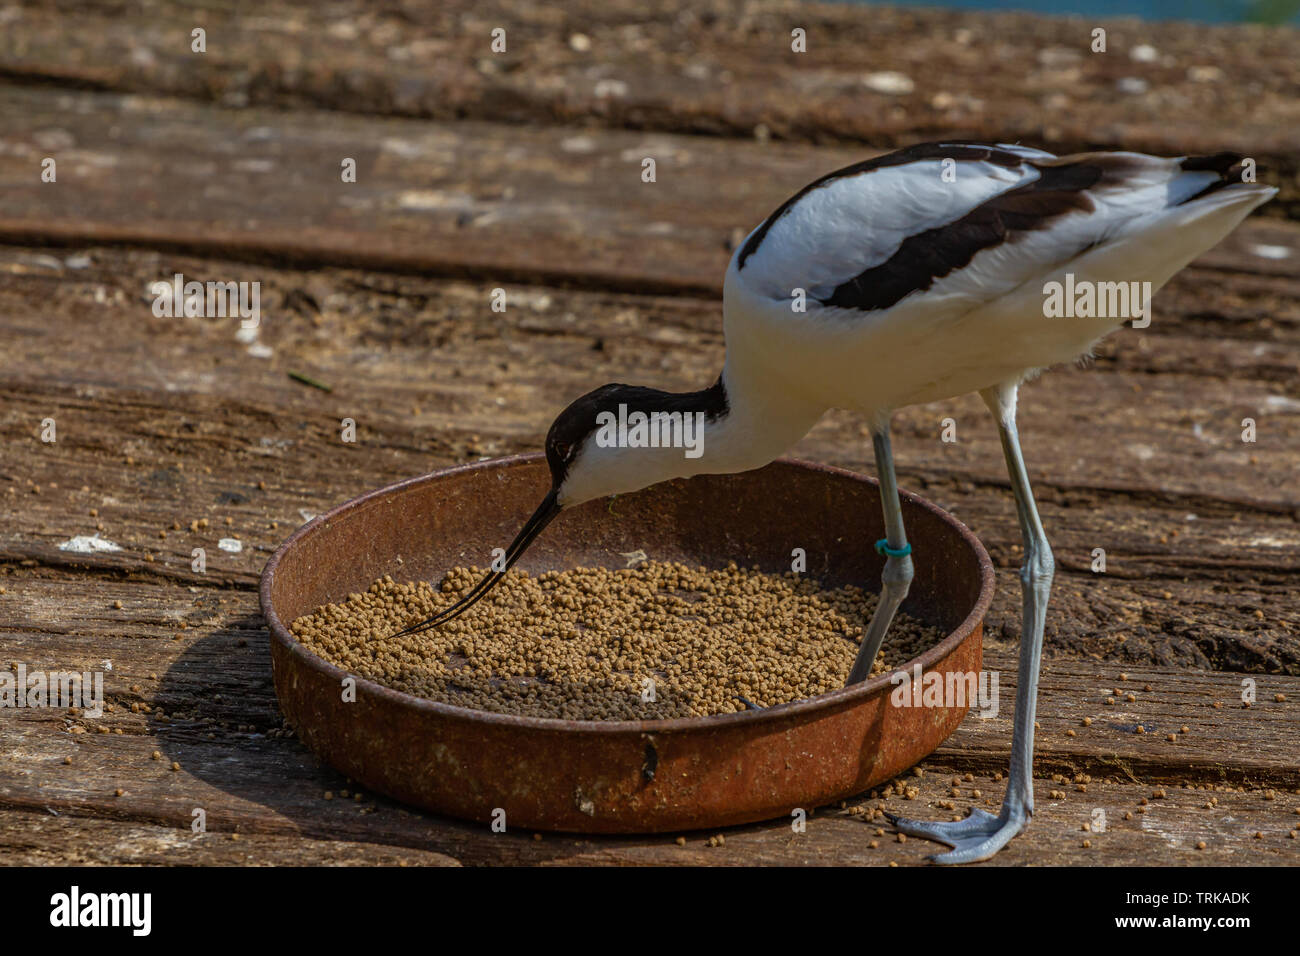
column 233, row 545
column 83, row 544
column 1266, row 251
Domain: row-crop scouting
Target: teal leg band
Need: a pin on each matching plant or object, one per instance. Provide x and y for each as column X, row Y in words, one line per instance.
column 882, row 547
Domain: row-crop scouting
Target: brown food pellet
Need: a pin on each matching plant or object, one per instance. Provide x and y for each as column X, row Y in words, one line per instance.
column 592, row 643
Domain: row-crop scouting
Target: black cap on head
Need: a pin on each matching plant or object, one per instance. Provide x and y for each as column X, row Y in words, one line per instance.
column 575, row 424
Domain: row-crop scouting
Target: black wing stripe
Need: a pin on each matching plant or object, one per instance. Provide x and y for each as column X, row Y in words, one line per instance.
column 935, row 253
column 921, row 151
column 1227, row 165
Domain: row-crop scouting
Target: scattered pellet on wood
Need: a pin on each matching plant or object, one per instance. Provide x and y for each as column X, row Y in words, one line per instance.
column 681, row 841
column 1200, row 845
column 660, row 640
column 175, row 765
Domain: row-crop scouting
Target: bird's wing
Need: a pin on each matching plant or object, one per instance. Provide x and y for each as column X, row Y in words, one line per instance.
column 958, row 220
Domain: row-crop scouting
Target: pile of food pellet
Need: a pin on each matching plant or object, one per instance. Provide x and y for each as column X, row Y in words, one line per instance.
column 656, row 641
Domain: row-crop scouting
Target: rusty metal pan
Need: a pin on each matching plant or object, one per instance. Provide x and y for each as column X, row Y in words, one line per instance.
column 622, row 776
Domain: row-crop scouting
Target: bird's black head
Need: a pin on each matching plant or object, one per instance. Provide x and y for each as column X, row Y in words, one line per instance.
column 574, row 427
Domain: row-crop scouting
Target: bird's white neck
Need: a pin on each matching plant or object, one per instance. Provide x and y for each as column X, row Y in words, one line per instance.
column 757, row 423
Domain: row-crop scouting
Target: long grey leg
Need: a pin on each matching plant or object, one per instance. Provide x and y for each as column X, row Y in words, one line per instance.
column 981, row 834
column 897, row 576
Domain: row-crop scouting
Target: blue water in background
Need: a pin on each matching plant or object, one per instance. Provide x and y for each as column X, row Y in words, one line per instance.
column 1204, row 11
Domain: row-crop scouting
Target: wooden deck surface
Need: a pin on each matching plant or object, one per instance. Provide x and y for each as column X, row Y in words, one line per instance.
column 522, row 171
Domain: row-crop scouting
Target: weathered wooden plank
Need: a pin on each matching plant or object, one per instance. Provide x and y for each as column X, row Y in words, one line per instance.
column 39, row 838
column 719, row 67
column 487, row 201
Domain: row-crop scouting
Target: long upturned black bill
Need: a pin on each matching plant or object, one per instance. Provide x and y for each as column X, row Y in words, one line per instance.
column 548, row 509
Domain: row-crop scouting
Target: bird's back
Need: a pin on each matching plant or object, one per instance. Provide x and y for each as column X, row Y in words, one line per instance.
column 922, row 274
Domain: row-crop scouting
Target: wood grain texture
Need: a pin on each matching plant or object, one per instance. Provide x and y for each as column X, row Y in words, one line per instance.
column 522, row 172
column 719, row 67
